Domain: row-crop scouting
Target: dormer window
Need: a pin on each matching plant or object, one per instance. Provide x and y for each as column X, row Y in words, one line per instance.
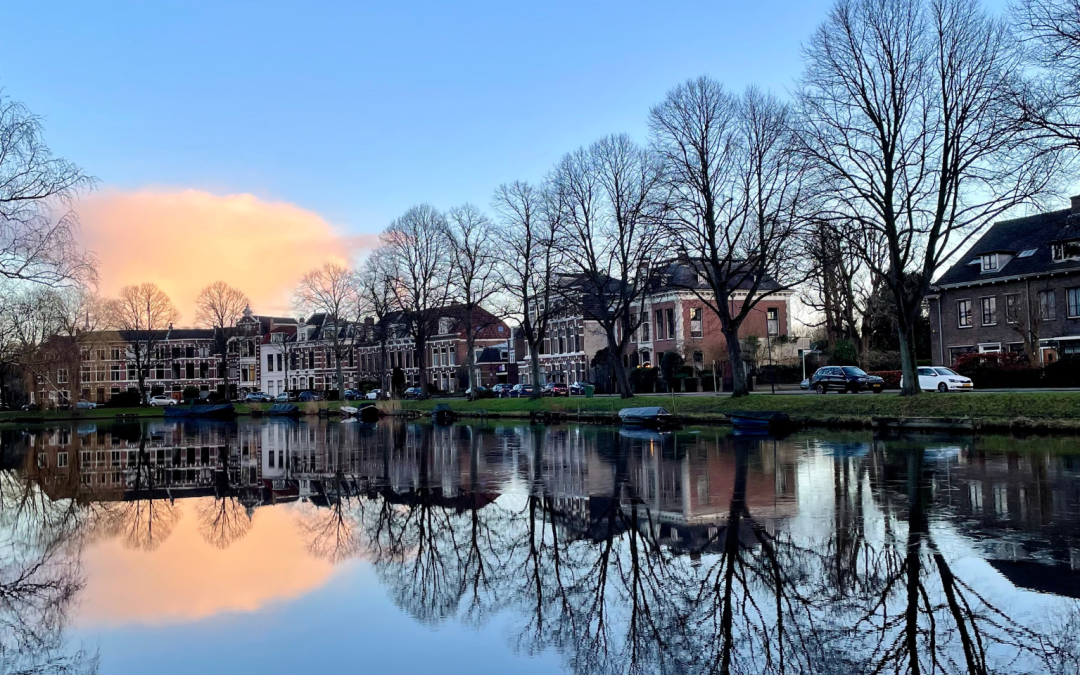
column 990, row 262
column 1066, row 250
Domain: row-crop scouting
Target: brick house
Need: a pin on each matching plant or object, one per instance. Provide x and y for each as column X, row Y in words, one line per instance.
column 1016, row 289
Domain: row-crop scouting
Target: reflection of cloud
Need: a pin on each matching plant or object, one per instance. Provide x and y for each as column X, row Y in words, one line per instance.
column 186, row 579
column 183, row 240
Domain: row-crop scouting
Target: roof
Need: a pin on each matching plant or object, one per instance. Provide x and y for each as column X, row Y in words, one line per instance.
column 680, row 275
column 170, row 334
column 1035, row 233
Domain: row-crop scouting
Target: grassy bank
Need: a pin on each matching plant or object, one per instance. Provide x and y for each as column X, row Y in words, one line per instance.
column 1064, row 406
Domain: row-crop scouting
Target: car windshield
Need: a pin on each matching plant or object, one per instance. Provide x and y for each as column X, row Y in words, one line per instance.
column 945, row 371
column 852, row 370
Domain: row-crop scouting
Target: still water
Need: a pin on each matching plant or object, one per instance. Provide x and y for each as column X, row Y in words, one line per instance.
column 274, row 546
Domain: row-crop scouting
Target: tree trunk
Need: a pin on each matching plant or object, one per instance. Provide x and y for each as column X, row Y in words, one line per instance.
column 421, row 349
column 907, row 359
column 622, row 380
column 535, row 367
column 384, row 374
column 738, row 368
column 470, row 359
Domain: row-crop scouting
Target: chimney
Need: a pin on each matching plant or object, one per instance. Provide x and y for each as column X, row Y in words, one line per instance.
column 1075, row 207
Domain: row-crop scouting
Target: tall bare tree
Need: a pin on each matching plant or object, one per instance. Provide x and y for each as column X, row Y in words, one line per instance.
column 331, row 290
column 144, row 314
column 907, row 118
column 376, row 294
column 39, row 234
column 610, row 202
column 1049, row 100
column 419, row 255
column 529, row 230
column 734, row 191
column 219, row 306
column 474, row 275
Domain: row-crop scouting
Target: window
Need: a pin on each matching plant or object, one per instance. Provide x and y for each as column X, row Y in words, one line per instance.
column 115, row 353
column 659, row 324
column 1012, row 308
column 1066, row 250
column 279, row 362
column 695, row 322
column 269, row 363
column 190, row 371
column 1047, row 306
column 956, row 352
column 671, row 326
column 61, row 376
column 772, row 315
column 989, row 311
column 645, row 328
column 990, row 262
column 1072, row 297
column 1026, row 253
column 963, row 313
column 61, row 459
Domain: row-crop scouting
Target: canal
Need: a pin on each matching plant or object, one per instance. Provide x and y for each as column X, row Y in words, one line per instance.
column 276, row 546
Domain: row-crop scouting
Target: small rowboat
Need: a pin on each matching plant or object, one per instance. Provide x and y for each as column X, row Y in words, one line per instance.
column 652, row 416
column 283, row 410
column 764, row 421
column 219, row 411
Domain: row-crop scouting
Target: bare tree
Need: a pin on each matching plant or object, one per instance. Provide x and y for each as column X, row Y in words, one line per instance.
column 39, row 239
column 1049, row 100
column 734, row 192
column 529, row 231
column 376, row 294
column 419, row 254
column 474, row 275
column 906, row 118
column 219, row 306
column 331, row 290
column 608, row 195
column 144, row 314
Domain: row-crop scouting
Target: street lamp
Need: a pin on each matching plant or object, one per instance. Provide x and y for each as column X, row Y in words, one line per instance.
column 804, row 353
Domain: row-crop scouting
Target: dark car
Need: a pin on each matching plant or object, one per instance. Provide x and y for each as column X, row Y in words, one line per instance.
column 578, row 388
column 521, row 391
column 311, row 396
column 411, row 392
column 555, row 389
column 353, row 395
column 502, row 390
column 845, row 379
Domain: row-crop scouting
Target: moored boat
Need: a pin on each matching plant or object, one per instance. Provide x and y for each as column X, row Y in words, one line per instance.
column 442, row 414
column 764, row 421
column 283, row 410
column 650, row 416
column 213, row 411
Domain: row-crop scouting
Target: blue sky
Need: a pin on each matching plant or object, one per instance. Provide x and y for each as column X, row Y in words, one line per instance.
column 358, row 110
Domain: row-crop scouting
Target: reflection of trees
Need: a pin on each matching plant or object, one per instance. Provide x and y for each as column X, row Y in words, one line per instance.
column 146, row 518
column 40, row 576
column 223, row 520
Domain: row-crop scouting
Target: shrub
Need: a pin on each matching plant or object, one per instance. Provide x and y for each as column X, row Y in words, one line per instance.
column 125, row 399
column 844, row 353
column 891, row 377
column 671, row 364
column 190, row 393
column 331, row 394
column 1064, row 372
column 643, row 380
column 784, row 374
column 1001, row 369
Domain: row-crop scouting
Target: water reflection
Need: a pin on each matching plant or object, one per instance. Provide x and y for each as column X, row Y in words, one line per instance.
column 697, row 551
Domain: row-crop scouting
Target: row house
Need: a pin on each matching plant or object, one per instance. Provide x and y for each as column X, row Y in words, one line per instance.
column 245, row 358
column 446, row 357
column 674, row 319
column 301, row 357
column 97, row 365
column 1017, row 289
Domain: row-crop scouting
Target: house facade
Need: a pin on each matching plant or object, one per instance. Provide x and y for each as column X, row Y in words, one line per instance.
column 1017, row 289
column 674, row 319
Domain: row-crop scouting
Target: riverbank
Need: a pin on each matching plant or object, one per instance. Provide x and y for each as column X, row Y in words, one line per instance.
column 1043, row 411
column 106, row 413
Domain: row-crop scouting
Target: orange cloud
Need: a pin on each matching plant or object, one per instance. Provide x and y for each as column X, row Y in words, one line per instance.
column 184, row 240
column 187, row 579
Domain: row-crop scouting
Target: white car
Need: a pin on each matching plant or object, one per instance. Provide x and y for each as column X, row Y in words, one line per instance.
column 942, row 379
column 162, row 400
column 374, row 394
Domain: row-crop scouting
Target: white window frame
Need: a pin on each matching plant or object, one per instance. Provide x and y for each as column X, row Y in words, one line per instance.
column 960, row 315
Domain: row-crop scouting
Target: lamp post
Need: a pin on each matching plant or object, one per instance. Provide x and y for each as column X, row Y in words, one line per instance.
column 804, row 353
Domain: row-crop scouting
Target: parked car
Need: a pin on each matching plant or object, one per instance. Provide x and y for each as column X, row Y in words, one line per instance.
column 521, row 391
column 502, row 390
column 374, row 395
column 411, row 393
column 258, row 397
column 286, row 397
column 555, row 389
column 352, row 395
column 845, row 379
column 579, row 387
column 162, row 399
column 307, row 396
column 480, row 392
column 31, row 407
column 942, row 379
column 805, row 384
column 83, row 404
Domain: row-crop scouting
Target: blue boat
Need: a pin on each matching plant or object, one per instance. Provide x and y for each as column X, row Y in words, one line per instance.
column 216, row 411
column 283, row 410
column 760, row 420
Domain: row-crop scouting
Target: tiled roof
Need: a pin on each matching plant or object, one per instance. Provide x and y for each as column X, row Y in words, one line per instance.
column 1031, row 233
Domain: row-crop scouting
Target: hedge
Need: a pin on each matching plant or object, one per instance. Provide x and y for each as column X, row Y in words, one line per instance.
column 891, row 377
